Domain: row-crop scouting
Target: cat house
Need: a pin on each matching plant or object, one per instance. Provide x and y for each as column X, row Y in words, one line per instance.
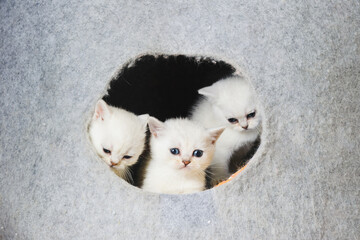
column 58, row 59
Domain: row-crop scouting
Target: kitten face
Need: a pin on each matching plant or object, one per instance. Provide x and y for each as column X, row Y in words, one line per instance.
column 117, row 135
column 182, row 145
column 234, row 99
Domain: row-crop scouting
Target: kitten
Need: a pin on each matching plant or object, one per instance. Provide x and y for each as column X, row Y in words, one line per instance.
column 230, row 102
column 181, row 151
column 118, row 137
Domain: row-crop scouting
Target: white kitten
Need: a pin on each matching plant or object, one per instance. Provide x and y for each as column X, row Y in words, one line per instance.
column 118, row 136
column 181, row 151
column 232, row 103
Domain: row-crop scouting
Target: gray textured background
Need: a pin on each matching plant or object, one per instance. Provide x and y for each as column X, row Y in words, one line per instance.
column 303, row 59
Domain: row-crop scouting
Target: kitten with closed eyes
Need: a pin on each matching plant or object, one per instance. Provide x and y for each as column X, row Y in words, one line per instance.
column 232, row 103
column 118, row 137
column 181, row 151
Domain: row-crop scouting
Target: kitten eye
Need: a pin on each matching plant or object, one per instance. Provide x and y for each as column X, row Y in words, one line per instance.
column 175, row 151
column 198, row 153
column 106, row 151
column 233, row 120
column 127, row 157
column 251, row 115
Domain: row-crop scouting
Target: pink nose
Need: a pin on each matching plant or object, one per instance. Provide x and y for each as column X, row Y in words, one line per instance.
column 186, row 162
column 113, row 164
column 245, row 127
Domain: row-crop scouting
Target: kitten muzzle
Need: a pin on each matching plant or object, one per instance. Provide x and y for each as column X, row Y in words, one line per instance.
column 244, row 124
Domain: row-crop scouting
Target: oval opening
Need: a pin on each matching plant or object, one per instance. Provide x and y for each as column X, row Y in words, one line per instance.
column 209, row 92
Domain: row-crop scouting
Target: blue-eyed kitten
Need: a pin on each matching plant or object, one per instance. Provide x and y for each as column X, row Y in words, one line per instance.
column 232, row 103
column 181, row 151
column 118, row 136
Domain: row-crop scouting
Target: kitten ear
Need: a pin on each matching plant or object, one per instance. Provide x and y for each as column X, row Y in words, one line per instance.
column 101, row 110
column 144, row 119
column 209, row 92
column 155, row 126
column 215, row 133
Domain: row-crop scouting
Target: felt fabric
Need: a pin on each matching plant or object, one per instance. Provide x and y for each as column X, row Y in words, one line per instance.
column 56, row 59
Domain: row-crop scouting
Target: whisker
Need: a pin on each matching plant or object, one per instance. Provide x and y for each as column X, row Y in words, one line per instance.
column 128, row 175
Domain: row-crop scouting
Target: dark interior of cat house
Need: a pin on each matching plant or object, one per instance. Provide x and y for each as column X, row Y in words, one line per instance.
column 165, row 86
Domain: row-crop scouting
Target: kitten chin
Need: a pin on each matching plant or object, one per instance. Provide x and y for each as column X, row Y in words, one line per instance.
column 181, row 151
column 230, row 102
column 118, row 137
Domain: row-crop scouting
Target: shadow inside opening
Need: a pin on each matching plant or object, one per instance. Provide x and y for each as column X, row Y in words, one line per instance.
column 166, row 86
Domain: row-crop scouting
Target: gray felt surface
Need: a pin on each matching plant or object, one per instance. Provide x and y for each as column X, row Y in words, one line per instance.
column 303, row 60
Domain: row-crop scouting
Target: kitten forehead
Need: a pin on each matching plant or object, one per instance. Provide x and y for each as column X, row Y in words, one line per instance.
column 235, row 96
column 125, row 130
column 121, row 131
column 186, row 134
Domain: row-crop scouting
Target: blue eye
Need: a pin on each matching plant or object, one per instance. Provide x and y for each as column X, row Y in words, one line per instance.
column 175, row 151
column 198, row 153
column 127, row 157
column 251, row 115
column 233, row 120
column 106, row 151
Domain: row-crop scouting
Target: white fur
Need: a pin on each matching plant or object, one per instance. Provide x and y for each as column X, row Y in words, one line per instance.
column 166, row 173
column 228, row 98
column 121, row 132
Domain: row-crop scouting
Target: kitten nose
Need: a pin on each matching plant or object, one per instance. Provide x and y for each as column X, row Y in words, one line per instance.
column 245, row 127
column 186, row 162
column 113, row 164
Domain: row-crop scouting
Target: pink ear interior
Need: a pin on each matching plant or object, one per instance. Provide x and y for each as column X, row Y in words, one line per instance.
column 101, row 110
column 155, row 126
column 215, row 134
column 209, row 92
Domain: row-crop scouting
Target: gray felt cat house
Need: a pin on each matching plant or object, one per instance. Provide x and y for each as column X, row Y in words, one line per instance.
column 302, row 59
